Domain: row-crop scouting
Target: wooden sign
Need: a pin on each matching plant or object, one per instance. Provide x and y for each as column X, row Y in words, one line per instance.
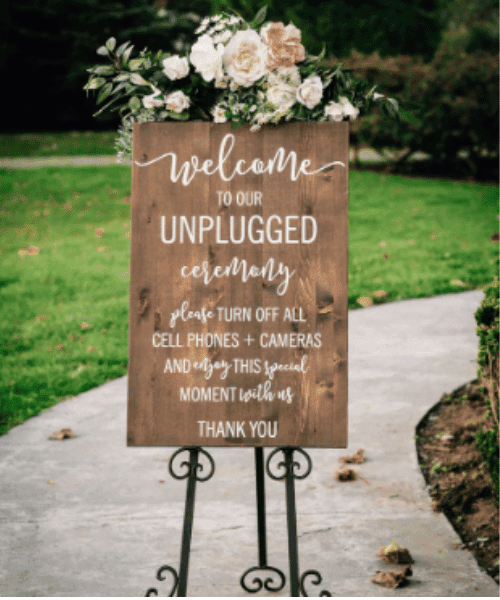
column 238, row 298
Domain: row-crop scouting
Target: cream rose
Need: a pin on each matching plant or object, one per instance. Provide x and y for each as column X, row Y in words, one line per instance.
column 219, row 114
column 343, row 108
column 152, row 102
column 175, row 67
column 310, row 91
column 245, row 58
column 177, row 101
column 349, row 110
column 206, row 58
column 281, row 95
column 335, row 111
column 283, row 45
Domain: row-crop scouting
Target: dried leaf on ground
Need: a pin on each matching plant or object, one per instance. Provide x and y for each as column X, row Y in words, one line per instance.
column 64, row 434
column 355, row 459
column 365, row 301
column 348, row 475
column 392, row 553
column 394, row 578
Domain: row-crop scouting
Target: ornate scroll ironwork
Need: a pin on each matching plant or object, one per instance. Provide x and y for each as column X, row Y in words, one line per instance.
column 258, row 582
column 175, row 469
column 255, row 578
column 291, row 467
column 316, row 581
column 161, row 577
column 192, row 471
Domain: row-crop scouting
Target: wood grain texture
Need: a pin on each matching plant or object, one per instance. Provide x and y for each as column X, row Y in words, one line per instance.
column 305, row 404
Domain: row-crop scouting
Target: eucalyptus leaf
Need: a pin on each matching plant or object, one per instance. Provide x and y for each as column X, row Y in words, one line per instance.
column 106, row 106
column 111, row 44
column 136, row 64
column 104, row 92
column 393, row 103
column 138, row 79
column 104, row 70
column 134, row 103
column 122, row 49
column 179, row 116
column 102, row 51
column 259, row 18
column 95, row 83
column 126, row 54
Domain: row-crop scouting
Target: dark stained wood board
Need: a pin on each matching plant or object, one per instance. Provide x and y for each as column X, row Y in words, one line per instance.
column 292, row 313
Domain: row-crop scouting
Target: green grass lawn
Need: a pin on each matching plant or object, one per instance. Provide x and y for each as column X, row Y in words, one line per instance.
column 64, row 255
column 72, row 143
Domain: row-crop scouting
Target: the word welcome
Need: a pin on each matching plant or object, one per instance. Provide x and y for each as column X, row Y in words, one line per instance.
column 280, row 161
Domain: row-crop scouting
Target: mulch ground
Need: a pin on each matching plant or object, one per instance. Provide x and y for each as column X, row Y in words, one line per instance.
column 458, row 481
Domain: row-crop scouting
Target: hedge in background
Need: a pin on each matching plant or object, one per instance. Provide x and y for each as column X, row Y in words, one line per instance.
column 453, row 102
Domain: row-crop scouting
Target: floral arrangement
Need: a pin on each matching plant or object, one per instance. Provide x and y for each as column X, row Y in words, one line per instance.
column 245, row 73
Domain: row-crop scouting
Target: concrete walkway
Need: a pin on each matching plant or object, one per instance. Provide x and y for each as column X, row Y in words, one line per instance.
column 89, row 517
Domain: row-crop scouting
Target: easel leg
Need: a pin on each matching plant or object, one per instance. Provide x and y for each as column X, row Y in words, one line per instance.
column 292, row 470
column 291, row 517
column 192, row 474
column 256, row 584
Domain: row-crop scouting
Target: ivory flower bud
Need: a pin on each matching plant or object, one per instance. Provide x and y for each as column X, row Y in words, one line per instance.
column 177, row 101
column 334, row 111
column 245, row 58
column 310, row 91
column 206, row 58
column 175, row 67
column 219, row 114
column 348, row 109
column 152, row 102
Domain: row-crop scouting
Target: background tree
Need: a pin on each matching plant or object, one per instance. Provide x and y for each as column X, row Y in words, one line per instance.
column 47, row 47
column 390, row 27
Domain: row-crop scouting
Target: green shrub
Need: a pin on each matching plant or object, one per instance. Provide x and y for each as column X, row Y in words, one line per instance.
column 487, row 444
column 487, row 318
column 453, row 100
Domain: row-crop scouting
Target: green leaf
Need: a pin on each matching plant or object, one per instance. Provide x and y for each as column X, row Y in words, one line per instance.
column 259, row 18
column 111, row 44
column 134, row 103
column 94, row 83
column 104, row 92
column 102, row 51
column 104, row 70
column 126, row 55
column 122, row 49
column 136, row 64
column 179, row 116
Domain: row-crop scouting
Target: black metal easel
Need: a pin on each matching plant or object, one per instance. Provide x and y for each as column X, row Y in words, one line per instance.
column 287, row 469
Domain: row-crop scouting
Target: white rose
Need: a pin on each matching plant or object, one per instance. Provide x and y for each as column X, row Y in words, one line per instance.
column 282, row 96
column 177, row 101
column 310, row 92
column 219, row 114
column 335, row 111
column 206, row 58
column 348, row 108
column 175, row 67
column 245, row 57
column 152, row 102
